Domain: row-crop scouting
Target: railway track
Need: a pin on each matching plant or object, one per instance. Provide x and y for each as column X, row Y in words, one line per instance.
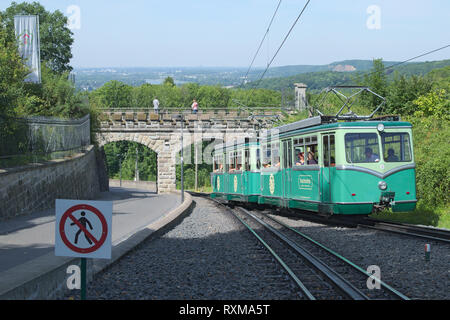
column 317, row 272
column 423, row 232
column 428, row 233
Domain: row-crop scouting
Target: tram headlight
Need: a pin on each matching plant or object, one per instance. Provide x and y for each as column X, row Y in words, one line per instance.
column 382, row 185
column 380, row 127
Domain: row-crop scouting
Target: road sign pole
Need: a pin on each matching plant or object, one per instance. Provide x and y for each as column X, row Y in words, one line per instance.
column 83, row 278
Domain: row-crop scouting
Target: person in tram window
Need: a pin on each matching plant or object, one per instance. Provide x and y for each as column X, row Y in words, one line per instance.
column 391, row 156
column 311, row 159
column 301, row 159
column 332, row 162
column 277, row 162
column 370, row 156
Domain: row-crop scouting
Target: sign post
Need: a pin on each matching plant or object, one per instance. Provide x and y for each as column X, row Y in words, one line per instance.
column 83, row 229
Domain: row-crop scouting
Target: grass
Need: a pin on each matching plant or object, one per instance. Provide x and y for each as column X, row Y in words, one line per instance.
column 206, row 189
column 436, row 217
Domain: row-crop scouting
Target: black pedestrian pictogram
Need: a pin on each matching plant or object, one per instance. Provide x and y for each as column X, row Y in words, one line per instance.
column 83, row 221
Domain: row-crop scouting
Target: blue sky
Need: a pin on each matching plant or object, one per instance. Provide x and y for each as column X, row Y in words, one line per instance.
column 149, row 33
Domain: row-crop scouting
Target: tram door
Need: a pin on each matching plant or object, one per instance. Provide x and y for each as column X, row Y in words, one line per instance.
column 329, row 162
column 287, row 167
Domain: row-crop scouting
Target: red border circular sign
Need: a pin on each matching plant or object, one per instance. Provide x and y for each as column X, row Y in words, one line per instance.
column 92, row 209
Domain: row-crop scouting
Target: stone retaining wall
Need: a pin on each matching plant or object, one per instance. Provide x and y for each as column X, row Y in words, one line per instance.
column 35, row 187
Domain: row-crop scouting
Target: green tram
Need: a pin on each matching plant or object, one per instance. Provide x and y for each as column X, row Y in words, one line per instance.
column 351, row 168
column 236, row 169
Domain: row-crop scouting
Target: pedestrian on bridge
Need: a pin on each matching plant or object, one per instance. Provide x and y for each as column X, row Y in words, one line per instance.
column 156, row 105
column 194, row 107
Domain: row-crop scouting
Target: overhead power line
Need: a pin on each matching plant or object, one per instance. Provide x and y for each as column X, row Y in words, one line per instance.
column 405, row 61
column 262, row 41
column 281, row 45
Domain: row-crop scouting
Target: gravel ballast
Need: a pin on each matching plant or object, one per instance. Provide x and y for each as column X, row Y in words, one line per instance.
column 401, row 258
column 210, row 255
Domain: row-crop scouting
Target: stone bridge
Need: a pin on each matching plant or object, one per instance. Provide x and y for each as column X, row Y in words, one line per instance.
column 162, row 133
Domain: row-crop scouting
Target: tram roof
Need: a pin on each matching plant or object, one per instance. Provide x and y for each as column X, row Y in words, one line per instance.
column 319, row 123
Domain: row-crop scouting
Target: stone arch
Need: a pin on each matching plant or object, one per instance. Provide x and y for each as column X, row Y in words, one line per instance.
column 162, row 145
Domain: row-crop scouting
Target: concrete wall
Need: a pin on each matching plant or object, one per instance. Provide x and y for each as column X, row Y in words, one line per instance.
column 146, row 185
column 35, row 187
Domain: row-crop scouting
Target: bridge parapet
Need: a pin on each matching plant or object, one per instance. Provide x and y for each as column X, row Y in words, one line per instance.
column 169, row 118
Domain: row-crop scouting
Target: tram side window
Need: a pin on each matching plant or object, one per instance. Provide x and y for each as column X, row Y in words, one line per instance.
column 312, row 150
column 258, row 159
column 276, row 154
column 299, row 152
column 362, row 147
column 247, row 160
column 396, row 147
column 238, row 160
column 267, row 156
column 231, row 164
column 218, row 166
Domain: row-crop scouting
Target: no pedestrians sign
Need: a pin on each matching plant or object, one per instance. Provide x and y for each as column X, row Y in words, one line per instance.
column 83, row 228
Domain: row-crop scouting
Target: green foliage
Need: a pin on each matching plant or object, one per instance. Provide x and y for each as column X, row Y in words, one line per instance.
column 115, row 94
column 377, row 82
column 12, row 74
column 403, row 91
column 169, row 81
column 56, row 38
column 432, row 156
column 433, row 105
column 56, row 96
column 126, row 150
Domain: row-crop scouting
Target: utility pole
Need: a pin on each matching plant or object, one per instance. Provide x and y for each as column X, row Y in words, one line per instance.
column 196, row 166
column 136, row 170
column 182, row 162
column 120, row 166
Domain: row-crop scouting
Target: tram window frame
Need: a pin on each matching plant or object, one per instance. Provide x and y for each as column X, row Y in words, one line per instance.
column 231, row 164
column 216, row 163
column 329, row 150
column 299, row 148
column 246, row 159
column 306, row 144
column 275, row 153
column 267, row 155
column 258, row 159
column 287, row 154
column 404, row 153
column 238, row 160
column 313, row 147
column 361, row 148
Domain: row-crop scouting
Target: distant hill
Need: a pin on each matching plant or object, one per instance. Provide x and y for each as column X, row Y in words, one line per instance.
column 277, row 78
column 341, row 73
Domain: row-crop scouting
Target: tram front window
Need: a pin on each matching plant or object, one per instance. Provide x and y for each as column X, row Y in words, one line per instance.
column 396, row 147
column 362, row 147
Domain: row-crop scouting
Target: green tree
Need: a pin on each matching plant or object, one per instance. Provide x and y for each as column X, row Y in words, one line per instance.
column 12, row 74
column 376, row 80
column 169, row 82
column 56, row 38
column 113, row 94
column 402, row 92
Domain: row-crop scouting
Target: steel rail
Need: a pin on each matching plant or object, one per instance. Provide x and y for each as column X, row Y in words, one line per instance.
column 300, row 284
column 342, row 258
column 338, row 281
column 407, row 230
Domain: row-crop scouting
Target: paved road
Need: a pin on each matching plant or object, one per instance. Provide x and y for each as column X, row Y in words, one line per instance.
column 28, row 237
